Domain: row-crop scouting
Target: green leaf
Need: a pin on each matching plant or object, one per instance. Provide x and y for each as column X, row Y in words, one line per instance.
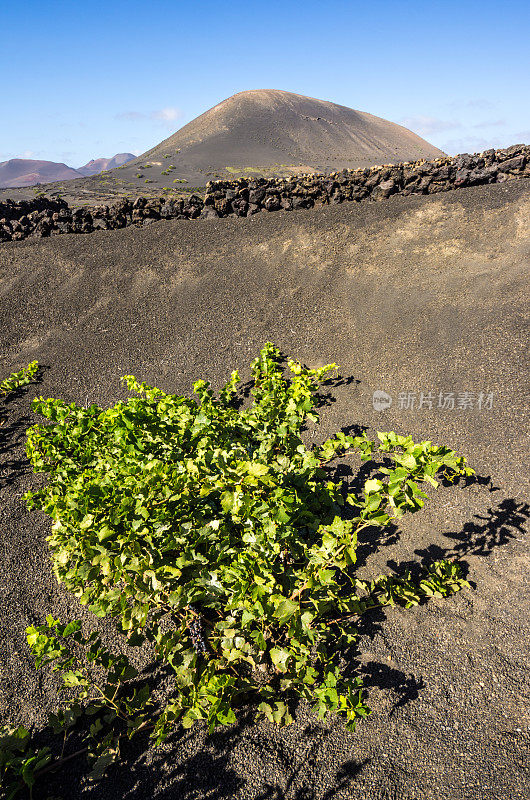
column 86, row 522
column 281, row 714
column 105, row 532
column 73, row 679
column 285, row 610
column 280, row 657
column 266, row 710
column 256, row 469
column 73, row 626
column 226, row 716
column 373, row 503
column 227, row 501
column 102, row 763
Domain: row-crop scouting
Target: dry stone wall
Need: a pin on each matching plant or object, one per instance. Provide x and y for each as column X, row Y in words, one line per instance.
column 244, row 197
column 42, row 217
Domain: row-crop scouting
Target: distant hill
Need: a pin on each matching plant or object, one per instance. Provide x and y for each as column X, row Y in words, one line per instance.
column 98, row 165
column 26, row 172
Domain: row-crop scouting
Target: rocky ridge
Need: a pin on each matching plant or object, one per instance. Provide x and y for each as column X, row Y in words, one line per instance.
column 244, row 197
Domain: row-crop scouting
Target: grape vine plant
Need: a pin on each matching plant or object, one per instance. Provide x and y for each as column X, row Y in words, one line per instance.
column 213, row 534
column 15, row 381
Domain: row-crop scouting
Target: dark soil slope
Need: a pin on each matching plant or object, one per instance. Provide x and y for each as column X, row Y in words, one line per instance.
column 417, row 294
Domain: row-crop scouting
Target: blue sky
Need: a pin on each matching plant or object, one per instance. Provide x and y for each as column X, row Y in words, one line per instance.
column 86, row 80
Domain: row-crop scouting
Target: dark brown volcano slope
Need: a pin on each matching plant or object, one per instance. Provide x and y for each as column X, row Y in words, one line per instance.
column 417, row 294
column 272, row 130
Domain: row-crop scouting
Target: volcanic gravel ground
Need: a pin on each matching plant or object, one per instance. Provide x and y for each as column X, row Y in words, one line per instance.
column 418, row 294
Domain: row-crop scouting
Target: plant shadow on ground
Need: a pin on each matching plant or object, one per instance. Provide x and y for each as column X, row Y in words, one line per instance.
column 496, row 528
column 207, row 773
column 192, row 764
column 13, row 431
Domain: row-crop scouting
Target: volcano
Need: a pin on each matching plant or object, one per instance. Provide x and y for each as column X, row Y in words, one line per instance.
column 276, row 131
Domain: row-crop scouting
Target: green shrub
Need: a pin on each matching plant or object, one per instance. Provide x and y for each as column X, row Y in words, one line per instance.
column 15, row 381
column 18, row 379
column 214, row 535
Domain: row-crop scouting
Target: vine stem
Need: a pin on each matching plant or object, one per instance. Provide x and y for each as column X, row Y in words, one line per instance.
column 60, row 762
column 347, row 617
column 64, row 759
column 102, row 693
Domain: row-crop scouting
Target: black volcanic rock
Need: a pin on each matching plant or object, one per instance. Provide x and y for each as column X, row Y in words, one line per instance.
column 42, row 217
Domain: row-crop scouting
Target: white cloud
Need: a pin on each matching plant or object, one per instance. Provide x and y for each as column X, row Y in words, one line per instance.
column 495, row 123
column 470, row 144
column 131, row 115
column 428, row 125
column 167, row 114
column 26, row 154
column 477, row 103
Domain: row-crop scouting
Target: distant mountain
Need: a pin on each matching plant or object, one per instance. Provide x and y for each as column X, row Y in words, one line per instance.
column 26, row 172
column 98, row 165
